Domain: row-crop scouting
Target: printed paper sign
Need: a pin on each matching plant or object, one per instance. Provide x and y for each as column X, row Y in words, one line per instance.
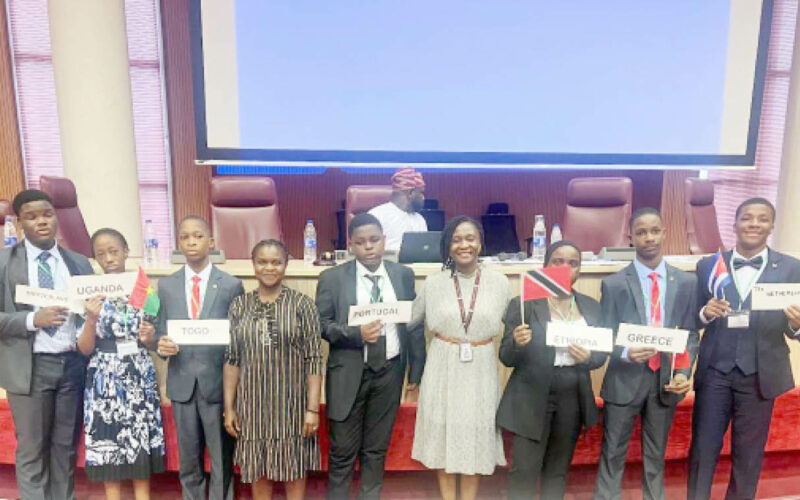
column 388, row 312
column 660, row 339
column 44, row 297
column 199, row 331
column 560, row 334
column 82, row 288
column 775, row 296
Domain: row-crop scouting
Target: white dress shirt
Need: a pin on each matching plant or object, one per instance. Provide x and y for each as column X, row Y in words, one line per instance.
column 363, row 296
column 743, row 276
column 65, row 337
column 396, row 222
column 203, row 284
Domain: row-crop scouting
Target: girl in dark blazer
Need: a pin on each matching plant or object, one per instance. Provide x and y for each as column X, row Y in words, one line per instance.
column 549, row 395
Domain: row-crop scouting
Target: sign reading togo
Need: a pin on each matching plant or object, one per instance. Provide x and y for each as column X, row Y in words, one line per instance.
column 660, row 339
column 388, row 312
column 199, row 331
column 561, row 334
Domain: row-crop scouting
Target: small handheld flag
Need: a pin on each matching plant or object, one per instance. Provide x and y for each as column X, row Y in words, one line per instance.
column 144, row 296
column 546, row 282
column 719, row 277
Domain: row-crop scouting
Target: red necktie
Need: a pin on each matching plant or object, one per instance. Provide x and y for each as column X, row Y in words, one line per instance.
column 195, row 296
column 655, row 317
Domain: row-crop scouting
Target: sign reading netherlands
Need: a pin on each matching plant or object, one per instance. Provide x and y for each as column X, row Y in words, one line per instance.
column 660, row 339
column 387, row 312
column 199, row 331
column 775, row 296
column 560, row 334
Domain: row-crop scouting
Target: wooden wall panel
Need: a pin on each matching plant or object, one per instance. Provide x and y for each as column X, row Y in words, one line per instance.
column 527, row 192
column 190, row 183
column 673, row 210
column 12, row 176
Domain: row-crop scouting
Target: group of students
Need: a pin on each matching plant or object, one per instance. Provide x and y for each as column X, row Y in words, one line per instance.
column 256, row 402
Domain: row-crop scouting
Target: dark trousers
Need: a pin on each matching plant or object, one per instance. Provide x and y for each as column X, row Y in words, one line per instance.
column 618, row 422
column 549, row 457
column 365, row 433
column 199, row 425
column 722, row 398
column 47, row 424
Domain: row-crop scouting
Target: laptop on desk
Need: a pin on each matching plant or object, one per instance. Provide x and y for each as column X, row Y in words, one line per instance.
column 420, row 247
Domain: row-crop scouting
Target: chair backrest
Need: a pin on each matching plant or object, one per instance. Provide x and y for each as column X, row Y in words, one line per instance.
column 500, row 233
column 244, row 211
column 72, row 232
column 597, row 213
column 360, row 199
column 702, row 228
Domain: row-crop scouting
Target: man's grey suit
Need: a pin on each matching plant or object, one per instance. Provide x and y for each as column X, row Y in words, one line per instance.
column 44, row 391
column 194, row 384
column 631, row 389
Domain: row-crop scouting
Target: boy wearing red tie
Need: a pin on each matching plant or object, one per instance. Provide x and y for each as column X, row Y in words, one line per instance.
column 194, row 378
column 639, row 381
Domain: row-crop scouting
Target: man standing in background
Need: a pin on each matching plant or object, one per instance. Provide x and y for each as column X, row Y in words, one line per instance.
column 401, row 214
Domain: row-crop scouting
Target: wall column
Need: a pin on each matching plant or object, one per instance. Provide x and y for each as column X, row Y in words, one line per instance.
column 95, row 112
column 787, row 236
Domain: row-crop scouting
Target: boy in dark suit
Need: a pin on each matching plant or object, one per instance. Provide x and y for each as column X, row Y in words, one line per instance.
column 194, row 377
column 39, row 365
column 367, row 364
column 637, row 382
column 744, row 360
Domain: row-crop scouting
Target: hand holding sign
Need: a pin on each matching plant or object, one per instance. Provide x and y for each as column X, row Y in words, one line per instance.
column 792, row 313
column 167, row 347
column 371, row 331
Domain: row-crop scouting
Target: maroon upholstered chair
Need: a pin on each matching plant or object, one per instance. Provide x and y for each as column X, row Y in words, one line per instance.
column 244, row 211
column 701, row 217
column 72, row 232
column 5, row 209
column 360, row 199
column 597, row 213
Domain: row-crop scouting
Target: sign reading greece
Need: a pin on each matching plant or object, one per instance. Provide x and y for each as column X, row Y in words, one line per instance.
column 44, row 297
column 199, row 331
column 660, row 339
column 561, row 334
column 775, row 296
column 388, row 312
column 83, row 288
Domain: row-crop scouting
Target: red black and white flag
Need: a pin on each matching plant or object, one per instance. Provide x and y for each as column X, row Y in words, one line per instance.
column 546, row 282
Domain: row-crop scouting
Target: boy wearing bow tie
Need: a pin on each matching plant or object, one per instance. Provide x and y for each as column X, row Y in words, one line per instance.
column 744, row 360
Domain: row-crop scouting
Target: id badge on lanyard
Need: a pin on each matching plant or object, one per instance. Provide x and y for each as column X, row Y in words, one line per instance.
column 741, row 318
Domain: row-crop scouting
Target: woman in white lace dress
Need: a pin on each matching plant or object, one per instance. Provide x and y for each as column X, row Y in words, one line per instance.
column 462, row 308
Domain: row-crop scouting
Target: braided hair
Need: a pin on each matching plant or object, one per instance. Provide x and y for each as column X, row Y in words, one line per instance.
column 447, row 238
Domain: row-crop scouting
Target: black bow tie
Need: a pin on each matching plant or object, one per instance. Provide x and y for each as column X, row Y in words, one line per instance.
column 755, row 262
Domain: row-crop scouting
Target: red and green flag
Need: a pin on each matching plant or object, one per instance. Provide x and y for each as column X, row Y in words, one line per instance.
column 144, row 296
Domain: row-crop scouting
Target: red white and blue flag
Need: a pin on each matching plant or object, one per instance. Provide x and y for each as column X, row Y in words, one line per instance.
column 719, row 277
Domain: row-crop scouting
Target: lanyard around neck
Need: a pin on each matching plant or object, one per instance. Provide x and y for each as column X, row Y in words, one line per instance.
column 745, row 292
column 369, row 284
column 568, row 317
column 466, row 319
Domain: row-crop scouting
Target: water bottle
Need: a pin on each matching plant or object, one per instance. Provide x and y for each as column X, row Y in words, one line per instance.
column 539, row 239
column 9, row 232
column 150, row 245
column 309, row 243
column 555, row 234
